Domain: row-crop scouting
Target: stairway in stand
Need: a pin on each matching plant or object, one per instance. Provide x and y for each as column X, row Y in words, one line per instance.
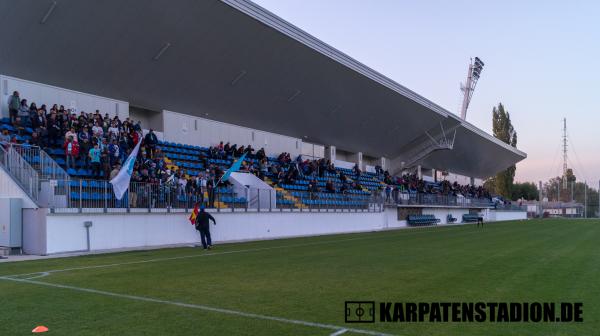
column 286, row 194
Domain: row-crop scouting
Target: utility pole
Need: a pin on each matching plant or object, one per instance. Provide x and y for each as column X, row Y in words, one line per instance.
column 585, row 201
column 540, row 198
column 565, row 153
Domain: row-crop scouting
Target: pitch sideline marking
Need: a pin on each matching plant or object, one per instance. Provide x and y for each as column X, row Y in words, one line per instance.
column 212, row 254
column 338, row 330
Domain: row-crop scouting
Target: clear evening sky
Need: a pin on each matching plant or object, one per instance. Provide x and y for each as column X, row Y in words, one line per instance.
column 542, row 61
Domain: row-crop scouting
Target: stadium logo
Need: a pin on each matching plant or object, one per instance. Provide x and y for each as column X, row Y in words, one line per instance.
column 536, row 312
column 360, row 312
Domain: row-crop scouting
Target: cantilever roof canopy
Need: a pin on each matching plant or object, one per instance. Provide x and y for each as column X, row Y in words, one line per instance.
column 235, row 62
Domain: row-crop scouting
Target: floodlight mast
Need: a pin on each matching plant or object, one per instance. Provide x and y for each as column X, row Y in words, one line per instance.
column 467, row 88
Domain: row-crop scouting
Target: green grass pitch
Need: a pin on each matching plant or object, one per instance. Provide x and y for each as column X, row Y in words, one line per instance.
column 299, row 286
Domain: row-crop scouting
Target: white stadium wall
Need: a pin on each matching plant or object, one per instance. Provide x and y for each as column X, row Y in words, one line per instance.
column 187, row 129
column 49, row 95
column 60, row 233
column 504, row 215
column 66, row 233
column 312, row 151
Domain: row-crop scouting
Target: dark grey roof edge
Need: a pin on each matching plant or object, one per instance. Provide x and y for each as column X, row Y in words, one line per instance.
column 270, row 19
column 492, row 138
column 263, row 15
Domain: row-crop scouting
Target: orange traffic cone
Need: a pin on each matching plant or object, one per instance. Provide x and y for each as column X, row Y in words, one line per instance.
column 39, row 329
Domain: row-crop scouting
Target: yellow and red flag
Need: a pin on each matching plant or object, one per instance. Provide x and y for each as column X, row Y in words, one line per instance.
column 194, row 214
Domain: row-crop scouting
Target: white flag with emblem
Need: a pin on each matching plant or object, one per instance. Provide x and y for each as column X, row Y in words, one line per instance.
column 121, row 182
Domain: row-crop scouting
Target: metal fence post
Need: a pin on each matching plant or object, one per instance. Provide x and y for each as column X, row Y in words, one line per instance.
column 129, row 197
column 80, row 194
column 258, row 201
column 105, row 196
column 170, row 201
column 218, row 193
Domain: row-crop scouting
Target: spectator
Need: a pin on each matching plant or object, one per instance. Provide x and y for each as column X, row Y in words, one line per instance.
column 114, row 152
column 94, row 155
column 329, row 186
column 97, row 130
column 71, row 152
column 38, row 121
column 240, row 151
column 23, row 110
column 211, row 185
column 249, row 150
column 71, row 134
column 227, row 148
column 356, row 170
column 53, row 131
column 113, row 130
column 14, row 103
column 150, row 141
column 261, row 154
column 4, row 138
column 105, row 161
column 84, row 149
column 36, row 140
column 19, row 125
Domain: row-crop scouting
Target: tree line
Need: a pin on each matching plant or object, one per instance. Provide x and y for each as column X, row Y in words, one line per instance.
column 553, row 190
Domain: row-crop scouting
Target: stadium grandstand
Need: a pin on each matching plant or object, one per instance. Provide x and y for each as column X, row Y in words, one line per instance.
column 327, row 145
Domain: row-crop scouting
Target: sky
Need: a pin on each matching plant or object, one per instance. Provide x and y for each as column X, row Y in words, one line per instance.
column 542, row 62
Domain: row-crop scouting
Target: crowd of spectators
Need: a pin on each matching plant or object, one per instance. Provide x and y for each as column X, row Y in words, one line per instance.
column 101, row 144
column 411, row 183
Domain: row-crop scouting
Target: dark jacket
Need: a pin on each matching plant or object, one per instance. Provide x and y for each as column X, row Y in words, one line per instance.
column 151, row 139
column 202, row 220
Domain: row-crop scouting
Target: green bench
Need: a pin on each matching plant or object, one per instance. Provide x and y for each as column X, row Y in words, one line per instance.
column 471, row 218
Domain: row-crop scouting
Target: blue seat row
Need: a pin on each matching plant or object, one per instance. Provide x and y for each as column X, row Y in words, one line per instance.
column 421, row 220
column 335, row 203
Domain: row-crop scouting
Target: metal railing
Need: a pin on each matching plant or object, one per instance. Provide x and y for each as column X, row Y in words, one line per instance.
column 436, row 200
column 509, row 207
column 21, row 171
column 47, row 167
column 97, row 196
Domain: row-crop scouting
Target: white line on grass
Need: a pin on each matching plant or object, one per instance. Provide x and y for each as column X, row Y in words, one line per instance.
column 40, row 275
column 338, row 330
column 214, row 254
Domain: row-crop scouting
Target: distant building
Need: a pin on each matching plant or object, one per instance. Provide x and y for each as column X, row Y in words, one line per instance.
column 553, row 209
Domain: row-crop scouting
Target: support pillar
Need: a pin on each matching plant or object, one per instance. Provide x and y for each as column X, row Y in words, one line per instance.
column 330, row 154
column 360, row 160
